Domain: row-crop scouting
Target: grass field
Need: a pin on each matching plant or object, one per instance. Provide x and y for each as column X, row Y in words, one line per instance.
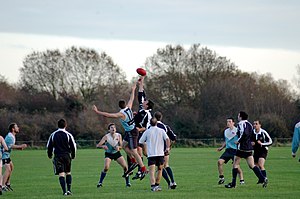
column 195, row 171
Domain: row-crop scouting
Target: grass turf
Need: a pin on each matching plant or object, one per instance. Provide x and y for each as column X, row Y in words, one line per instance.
column 195, row 171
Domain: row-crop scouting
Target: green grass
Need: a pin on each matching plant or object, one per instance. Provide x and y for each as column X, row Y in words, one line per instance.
column 195, row 171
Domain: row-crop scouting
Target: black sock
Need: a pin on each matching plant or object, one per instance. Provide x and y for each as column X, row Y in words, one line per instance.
column 234, row 174
column 170, row 173
column 221, row 176
column 69, row 182
column 102, row 176
column 264, row 173
column 127, row 180
column 258, row 173
column 165, row 176
column 62, row 183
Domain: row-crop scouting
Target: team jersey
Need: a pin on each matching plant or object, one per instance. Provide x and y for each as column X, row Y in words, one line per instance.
column 296, row 138
column 143, row 117
column 10, row 140
column 245, row 134
column 231, row 137
column 155, row 139
column 112, row 142
column 264, row 138
column 61, row 142
column 128, row 123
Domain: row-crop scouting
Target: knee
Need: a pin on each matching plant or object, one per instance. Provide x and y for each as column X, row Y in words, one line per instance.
column 220, row 163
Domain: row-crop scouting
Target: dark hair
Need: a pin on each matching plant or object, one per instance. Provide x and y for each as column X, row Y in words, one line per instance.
column 109, row 125
column 230, row 118
column 122, row 104
column 153, row 121
column 62, row 123
column 150, row 104
column 243, row 115
column 158, row 115
column 11, row 126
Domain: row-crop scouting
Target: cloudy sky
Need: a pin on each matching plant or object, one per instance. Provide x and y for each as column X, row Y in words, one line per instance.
column 257, row 35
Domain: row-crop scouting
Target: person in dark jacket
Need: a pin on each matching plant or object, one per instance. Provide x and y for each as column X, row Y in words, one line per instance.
column 245, row 150
column 62, row 144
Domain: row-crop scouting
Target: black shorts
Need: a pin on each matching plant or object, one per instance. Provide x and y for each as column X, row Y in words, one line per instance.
column 62, row 163
column 113, row 156
column 157, row 160
column 260, row 154
column 6, row 161
column 228, row 155
column 132, row 138
column 243, row 154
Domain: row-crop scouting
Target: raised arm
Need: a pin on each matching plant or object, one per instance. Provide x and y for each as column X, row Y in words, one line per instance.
column 130, row 102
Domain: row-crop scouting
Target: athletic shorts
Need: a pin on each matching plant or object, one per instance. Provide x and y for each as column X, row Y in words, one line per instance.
column 228, row 155
column 113, row 156
column 260, row 154
column 157, row 160
column 62, row 163
column 6, row 161
column 132, row 138
column 243, row 154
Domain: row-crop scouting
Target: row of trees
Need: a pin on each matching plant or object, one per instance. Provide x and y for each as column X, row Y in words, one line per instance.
column 195, row 89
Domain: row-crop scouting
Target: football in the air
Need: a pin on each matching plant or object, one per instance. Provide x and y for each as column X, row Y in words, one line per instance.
column 141, row 71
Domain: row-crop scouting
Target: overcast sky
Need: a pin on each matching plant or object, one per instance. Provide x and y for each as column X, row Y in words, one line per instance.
column 258, row 35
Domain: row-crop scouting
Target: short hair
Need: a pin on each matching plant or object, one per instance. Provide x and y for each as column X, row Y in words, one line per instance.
column 62, row 123
column 158, row 115
column 243, row 115
column 11, row 126
column 110, row 124
column 230, row 118
column 153, row 121
column 150, row 104
column 122, row 103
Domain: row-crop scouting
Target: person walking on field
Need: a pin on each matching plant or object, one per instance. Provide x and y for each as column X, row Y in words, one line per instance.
column 296, row 140
column 3, row 148
column 155, row 138
column 262, row 141
column 230, row 150
column 111, row 143
column 10, row 140
column 63, row 145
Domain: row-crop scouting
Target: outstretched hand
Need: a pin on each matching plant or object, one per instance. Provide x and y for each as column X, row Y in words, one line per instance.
column 95, row 108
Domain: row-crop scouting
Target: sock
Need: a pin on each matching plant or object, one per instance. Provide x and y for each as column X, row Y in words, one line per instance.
column 156, row 184
column 234, row 174
column 258, row 173
column 143, row 169
column 170, row 173
column 62, row 183
column 128, row 161
column 165, row 176
column 221, row 176
column 132, row 160
column 264, row 173
column 127, row 180
column 102, row 176
column 69, row 182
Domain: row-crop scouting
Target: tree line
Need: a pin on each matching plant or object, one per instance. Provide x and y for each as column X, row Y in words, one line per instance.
column 195, row 89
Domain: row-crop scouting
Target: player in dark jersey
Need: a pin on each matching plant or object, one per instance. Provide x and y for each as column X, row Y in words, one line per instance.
column 245, row 150
column 167, row 172
column 62, row 143
column 262, row 141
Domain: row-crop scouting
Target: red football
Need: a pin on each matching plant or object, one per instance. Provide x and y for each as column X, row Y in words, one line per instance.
column 141, row 71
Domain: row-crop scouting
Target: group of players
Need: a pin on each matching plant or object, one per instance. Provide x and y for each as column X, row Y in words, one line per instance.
column 145, row 134
column 240, row 142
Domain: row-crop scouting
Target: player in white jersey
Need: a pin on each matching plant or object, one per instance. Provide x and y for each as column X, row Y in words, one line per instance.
column 155, row 138
column 112, row 144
